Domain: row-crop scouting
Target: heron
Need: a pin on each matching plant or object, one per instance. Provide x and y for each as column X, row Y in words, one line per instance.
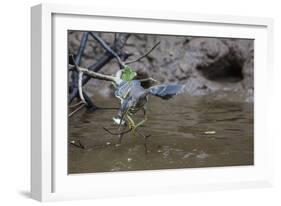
column 134, row 97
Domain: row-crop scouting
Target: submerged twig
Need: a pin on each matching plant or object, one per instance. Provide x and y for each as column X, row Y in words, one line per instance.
column 108, row 108
column 79, row 145
column 76, row 110
column 121, row 133
column 75, row 105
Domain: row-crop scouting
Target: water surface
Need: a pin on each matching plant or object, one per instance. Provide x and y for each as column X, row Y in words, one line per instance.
column 186, row 132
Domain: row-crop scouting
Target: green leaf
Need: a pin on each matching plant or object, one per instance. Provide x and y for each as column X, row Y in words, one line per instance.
column 128, row 74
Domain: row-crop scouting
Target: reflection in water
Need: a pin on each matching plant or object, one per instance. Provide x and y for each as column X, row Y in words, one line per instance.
column 186, row 132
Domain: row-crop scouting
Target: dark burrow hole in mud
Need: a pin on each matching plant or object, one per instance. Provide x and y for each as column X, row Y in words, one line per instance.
column 226, row 69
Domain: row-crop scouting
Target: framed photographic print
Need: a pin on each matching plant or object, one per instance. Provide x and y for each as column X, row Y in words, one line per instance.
column 138, row 102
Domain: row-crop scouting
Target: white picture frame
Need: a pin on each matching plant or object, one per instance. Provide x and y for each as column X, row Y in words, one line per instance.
column 49, row 178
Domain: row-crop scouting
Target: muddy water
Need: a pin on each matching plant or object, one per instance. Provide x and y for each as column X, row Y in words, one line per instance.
column 186, row 132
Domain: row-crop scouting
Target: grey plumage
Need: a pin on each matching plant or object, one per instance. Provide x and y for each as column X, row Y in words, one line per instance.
column 134, row 97
column 165, row 91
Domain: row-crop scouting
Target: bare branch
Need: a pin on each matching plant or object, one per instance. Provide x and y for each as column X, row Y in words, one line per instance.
column 80, row 89
column 78, row 58
column 117, row 47
column 119, row 43
column 72, row 95
column 80, row 77
column 141, row 57
column 94, row 75
column 148, row 79
column 82, row 47
column 107, row 48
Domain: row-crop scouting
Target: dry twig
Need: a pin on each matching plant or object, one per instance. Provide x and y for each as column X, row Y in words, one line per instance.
column 76, row 110
column 147, row 53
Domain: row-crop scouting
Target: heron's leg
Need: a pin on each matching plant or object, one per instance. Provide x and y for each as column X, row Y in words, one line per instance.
column 140, row 123
column 120, row 136
column 131, row 124
column 143, row 121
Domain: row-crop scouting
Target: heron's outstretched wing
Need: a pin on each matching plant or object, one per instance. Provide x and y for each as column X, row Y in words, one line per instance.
column 165, row 91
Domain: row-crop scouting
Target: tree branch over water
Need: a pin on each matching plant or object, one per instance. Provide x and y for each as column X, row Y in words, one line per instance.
column 93, row 74
column 111, row 53
column 81, row 75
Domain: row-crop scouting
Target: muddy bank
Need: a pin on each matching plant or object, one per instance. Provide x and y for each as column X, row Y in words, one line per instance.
column 204, row 65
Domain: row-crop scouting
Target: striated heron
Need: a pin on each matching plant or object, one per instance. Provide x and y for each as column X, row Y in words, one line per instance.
column 134, row 97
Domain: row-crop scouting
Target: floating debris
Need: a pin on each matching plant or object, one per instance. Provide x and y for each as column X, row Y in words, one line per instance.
column 210, row 132
column 129, row 159
column 187, row 155
column 202, row 155
column 77, row 143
